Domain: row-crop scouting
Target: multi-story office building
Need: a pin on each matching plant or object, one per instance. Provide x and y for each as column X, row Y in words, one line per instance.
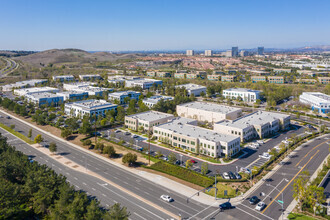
column 90, row 77
column 92, row 90
column 318, row 101
column 246, row 95
column 73, row 95
column 73, row 86
column 282, row 70
column 180, row 75
column 151, row 73
column 324, row 80
column 190, row 53
column 193, row 89
column 208, row 53
column 243, row 53
column 234, row 51
column 163, row 74
column 228, row 78
column 206, row 111
column 256, row 79
column 64, row 78
column 213, row 77
column 260, row 51
column 44, row 98
column 276, row 79
column 23, row 92
column 255, row 125
column 91, row 107
column 120, row 96
column 23, row 84
column 306, row 81
column 153, row 100
column 146, row 120
column 143, row 83
column 183, row 133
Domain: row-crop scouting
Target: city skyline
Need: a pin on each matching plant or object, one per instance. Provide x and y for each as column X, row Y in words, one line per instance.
column 163, row 25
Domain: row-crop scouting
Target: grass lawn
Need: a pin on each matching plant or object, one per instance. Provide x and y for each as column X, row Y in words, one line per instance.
column 296, row 216
column 221, row 188
column 17, row 134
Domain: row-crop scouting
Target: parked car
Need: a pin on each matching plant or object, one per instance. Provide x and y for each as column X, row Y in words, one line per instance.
column 245, row 170
column 177, row 162
column 166, row 198
column 254, row 200
column 226, row 176
column 1, row 116
column 127, row 133
column 8, row 117
column 260, row 142
column 254, row 146
column 193, row 161
column 260, row 206
column 265, row 155
column 134, row 136
column 140, row 149
column 238, row 176
column 231, row 175
column 226, row 205
column 117, row 131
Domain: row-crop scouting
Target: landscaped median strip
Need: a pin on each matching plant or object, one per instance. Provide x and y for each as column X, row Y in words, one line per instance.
column 17, row 134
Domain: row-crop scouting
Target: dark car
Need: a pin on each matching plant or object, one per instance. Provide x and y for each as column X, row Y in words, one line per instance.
column 232, row 176
column 226, row 205
column 8, row 117
column 177, row 162
column 254, row 200
column 238, row 176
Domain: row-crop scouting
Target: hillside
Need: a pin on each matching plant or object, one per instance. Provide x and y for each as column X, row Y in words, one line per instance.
column 61, row 56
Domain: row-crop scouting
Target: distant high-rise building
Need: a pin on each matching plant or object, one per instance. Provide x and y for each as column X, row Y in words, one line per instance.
column 190, row 53
column 243, row 53
column 234, row 51
column 261, row 50
column 208, row 53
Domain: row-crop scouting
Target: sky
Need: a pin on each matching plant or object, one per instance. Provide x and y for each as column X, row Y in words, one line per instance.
column 120, row 25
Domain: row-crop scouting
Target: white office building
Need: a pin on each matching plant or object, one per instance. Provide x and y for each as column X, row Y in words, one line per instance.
column 64, row 78
column 143, row 83
column 317, row 101
column 183, row 133
column 120, row 96
column 206, row 111
column 74, row 86
column 93, row 90
column 44, row 98
column 23, row 92
column 90, row 77
column 246, row 95
column 193, row 89
column 208, row 53
column 146, row 120
column 190, row 52
column 23, row 84
column 73, row 95
column 153, row 100
column 90, row 107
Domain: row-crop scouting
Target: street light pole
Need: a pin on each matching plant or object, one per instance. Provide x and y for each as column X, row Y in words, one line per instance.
column 149, row 142
column 181, row 158
column 275, row 187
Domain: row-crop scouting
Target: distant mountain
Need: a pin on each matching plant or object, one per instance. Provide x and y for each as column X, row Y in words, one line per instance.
column 65, row 56
column 315, row 48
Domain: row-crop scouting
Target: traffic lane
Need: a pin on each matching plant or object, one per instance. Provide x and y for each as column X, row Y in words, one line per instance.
column 114, row 173
column 89, row 184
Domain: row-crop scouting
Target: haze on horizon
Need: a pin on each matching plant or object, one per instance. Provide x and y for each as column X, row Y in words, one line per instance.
column 163, row 25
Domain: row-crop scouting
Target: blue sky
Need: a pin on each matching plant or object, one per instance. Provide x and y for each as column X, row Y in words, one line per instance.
column 162, row 24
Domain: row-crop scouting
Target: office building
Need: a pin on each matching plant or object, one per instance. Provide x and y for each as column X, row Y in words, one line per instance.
column 146, row 120
column 206, row 111
column 23, row 92
column 318, row 101
column 260, row 51
column 180, row 75
column 90, row 77
column 120, row 96
column 208, row 53
column 256, row 79
column 143, row 83
column 190, row 53
column 324, row 80
column 213, row 77
column 23, row 84
column 258, row 124
column 276, row 79
column 234, row 51
column 64, row 78
column 74, row 86
column 193, row 89
column 91, row 107
column 73, row 95
column 243, row 53
column 246, row 95
column 44, row 99
column 183, row 133
column 228, row 78
column 153, row 100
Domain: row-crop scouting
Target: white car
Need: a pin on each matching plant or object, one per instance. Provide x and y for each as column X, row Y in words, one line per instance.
column 254, row 146
column 260, row 206
column 265, row 155
column 260, row 142
column 166, row 198
column 245, row 170
column 226, row 176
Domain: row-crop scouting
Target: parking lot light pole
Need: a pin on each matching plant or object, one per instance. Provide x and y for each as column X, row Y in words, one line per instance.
column 275, row 187
column 181, row 158
column 149, row 142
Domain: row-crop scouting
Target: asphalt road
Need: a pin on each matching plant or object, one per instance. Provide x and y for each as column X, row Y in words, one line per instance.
column 128, row 180
column 11, row 65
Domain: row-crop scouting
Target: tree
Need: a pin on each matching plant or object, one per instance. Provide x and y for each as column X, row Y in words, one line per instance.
column 93, row 211
column 129, row 158
column 172, row 157
column 315, row 195
column 12, row 127
column 38, row 139
column 52, row 147
column 30, row 133
column 204, row 168
column 110, row 150
column 188, row 164
column 65, row 133
column 118, row 213
column 87, row 142
column 299, row 189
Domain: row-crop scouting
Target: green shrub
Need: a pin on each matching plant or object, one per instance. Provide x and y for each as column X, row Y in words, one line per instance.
column 87, row 142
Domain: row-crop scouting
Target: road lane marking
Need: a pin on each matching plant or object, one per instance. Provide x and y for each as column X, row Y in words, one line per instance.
column 246, row 213
column 75, row 178
column 84, row 183
column 202, row 211
column 139, row 216
column 289, row 182
column 309, row 152
column 104, row 195
column 93, row 189
column 256, row 211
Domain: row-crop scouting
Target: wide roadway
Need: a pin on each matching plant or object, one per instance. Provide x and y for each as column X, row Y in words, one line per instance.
column 126, row 179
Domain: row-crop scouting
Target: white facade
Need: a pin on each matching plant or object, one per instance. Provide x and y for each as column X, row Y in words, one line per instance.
column 64, row 78
column 90, row 107
column 247, row 95
column 23, row 84
column 146, row 120
column 143, row 83
column 190, row 52
column 208, row 53
column 205, row 111
column 316, row 100
column 193, row 89
column 120, row 96
column 89, row 77
column 183, row 133
column 73, row 86
column 73, row 95
column 23, row 92
column 44, row 98
column 153, row 100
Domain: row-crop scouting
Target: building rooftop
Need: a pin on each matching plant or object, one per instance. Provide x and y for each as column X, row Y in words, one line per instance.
column 183, row 126
column 71, row 92
column 211, row 107
column 94, row 89
column 40, row 95
column 150, row 116
column 255, row 118
column 37, row 89
column 241, row 90
column 157, row 98
column 320, row 97
column 92, row 104
column 63, row 76
column 123, row 93
column 191, row 86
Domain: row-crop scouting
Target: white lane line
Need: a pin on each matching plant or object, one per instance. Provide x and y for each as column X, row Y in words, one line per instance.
column 212, row 213
column 136, row 188
column 256, row 211
column 104, row 195
column 126, row 182
column 93, row 189
column 147, row 193
column 139, row 216
column 115, row 201
column 84, row 183
column 201, row 210
column 77, row 186
column 75, row 178
column 115, row 177
column 248, row 213
column 59, row 168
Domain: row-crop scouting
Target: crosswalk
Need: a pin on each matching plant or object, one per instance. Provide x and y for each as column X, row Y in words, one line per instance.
column 257, row 163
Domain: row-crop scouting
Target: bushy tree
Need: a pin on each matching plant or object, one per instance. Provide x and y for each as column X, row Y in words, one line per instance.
column 204, row 168
column 172, row 157
column 52, row 147
column 65, row 133
column 87, row 142
column 129, row 158
column 38, row 139
column 110, row 150
column 119, row 213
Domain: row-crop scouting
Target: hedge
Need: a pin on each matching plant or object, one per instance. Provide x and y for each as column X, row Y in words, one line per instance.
column 182, row 173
